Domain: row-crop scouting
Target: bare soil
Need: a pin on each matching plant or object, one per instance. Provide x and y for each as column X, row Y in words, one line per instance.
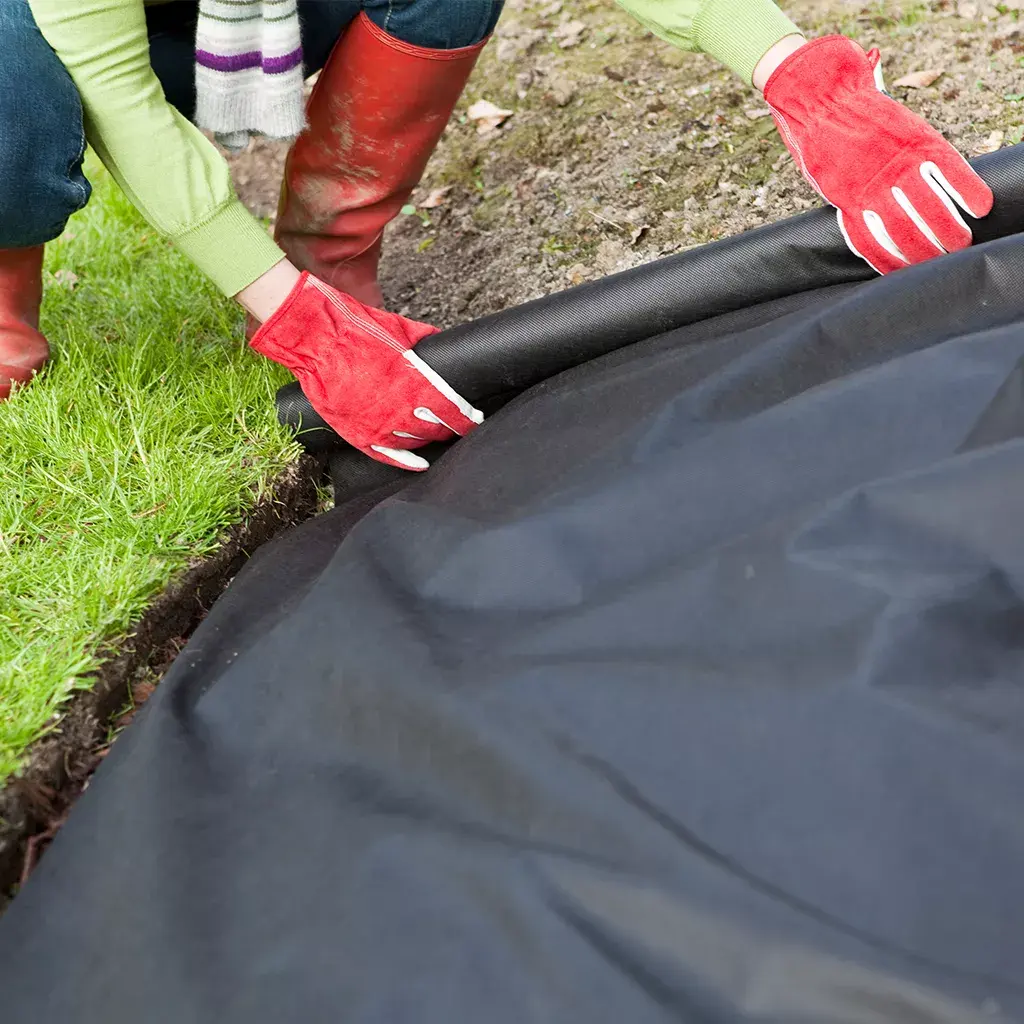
column 622, row 148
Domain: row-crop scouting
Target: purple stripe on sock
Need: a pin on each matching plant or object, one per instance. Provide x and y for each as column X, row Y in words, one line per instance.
column 278, row 65
column 236, row 62
column 245, row 61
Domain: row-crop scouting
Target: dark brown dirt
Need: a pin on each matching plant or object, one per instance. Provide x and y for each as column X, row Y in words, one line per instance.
column 34, row 805
column 622, row 149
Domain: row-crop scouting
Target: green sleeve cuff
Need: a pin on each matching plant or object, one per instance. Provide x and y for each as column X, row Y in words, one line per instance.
column 740, row 32
column 231, row 248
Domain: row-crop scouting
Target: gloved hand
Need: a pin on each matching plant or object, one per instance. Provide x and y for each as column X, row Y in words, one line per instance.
column 357, row 368
column 894, row 179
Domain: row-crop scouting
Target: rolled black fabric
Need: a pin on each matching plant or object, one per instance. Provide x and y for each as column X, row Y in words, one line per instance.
column 497, row 357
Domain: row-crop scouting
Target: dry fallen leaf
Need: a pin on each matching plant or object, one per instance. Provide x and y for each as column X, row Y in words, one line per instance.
column 66, row 279
column 485, row 108
column 919, row 79
column 576, row 274
column 569, row 33
column 488, row 117
column 435, row 197
column 993, row 142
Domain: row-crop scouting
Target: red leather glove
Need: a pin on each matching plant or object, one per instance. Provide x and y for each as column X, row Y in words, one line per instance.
column 357, row 368
column 894, row 179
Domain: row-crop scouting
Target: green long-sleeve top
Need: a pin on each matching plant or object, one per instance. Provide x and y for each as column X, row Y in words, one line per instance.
column 179, row 181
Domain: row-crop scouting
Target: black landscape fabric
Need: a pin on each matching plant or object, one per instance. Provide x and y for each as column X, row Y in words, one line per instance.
column 689, row 688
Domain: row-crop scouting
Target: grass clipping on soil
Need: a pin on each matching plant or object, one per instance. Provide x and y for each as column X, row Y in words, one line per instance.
column 150, row 433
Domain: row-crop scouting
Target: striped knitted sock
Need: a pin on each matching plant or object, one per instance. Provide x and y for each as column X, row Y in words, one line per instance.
column 249, row 74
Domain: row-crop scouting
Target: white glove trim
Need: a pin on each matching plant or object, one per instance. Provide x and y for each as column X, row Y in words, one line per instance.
column 474, row 415
column 881, row 235
column 403, row 457
column 939, row 184
column 919, row 222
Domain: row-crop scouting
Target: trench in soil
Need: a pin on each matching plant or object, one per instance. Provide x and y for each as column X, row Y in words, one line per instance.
column 35, row 803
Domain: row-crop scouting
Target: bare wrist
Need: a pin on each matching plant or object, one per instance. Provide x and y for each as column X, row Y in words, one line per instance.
column 774, row 57
column 269, row 291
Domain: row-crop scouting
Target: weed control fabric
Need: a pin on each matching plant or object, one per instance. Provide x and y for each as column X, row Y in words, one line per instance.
column 690, row 687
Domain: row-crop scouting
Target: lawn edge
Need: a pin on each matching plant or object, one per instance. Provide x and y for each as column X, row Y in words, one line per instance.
column 35, row 801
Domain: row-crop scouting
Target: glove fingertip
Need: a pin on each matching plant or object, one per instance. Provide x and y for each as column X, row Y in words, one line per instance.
column 463, row 419
column 464, row 424
column 398, row 457
column 988, row 200
column 865, row 248
column 977, row 197
column 964, row 185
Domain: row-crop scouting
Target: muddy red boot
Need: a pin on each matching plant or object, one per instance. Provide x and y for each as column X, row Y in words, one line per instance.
column 23, row 350
column 375, row 116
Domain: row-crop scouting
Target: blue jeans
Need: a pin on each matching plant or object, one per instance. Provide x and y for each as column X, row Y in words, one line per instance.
column 42, row 140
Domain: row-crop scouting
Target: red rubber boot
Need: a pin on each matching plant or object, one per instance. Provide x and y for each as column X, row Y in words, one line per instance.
column 23, row 350
column 375, row 116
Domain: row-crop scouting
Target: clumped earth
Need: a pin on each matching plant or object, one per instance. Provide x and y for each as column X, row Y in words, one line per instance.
column 621, row 148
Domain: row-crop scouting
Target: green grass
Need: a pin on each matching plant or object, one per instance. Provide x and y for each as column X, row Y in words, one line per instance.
column 149, row 434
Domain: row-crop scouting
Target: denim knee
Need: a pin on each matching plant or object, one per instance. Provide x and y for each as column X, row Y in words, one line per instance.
column 42, row 140
column 437, row 24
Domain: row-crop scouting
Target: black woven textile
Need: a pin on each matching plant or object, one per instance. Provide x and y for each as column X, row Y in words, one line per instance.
column 690, row 687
